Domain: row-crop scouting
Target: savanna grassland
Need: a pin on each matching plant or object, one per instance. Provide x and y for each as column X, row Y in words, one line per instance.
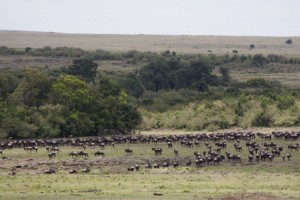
column 156, row 43
column 109, row 178
column 148, row 85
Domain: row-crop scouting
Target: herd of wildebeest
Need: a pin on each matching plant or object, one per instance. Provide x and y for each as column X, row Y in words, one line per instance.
column 214, row 145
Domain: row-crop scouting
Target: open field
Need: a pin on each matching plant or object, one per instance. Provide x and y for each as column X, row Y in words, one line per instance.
column 109, row 178
column 178, row 43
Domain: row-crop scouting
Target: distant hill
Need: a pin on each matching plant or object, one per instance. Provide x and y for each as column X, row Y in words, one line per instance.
column 178, row 43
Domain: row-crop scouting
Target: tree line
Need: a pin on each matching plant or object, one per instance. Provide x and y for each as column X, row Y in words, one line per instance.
column 36, row 104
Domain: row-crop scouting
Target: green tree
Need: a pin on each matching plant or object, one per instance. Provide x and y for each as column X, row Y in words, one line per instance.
column 33, row 88
column 225, row 75
column 84, row 68
column 72, row 92
column 8, row 84
column 133, row 85
column 154, row 75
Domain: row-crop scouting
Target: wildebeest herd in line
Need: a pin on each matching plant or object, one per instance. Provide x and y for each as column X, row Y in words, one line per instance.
column 214, row 144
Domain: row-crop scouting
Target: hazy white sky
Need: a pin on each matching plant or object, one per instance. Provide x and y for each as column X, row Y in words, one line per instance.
column 176, row 17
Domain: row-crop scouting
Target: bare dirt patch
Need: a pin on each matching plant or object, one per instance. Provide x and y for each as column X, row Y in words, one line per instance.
column 248, row 196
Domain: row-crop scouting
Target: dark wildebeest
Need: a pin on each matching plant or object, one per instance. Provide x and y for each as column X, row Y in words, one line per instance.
column 157, row 150
column 176, row 152
column 99, row 153
column 148, row 166
column 131, row 168
column 51, row 154
column 86, row 170
column 188, row 163
column 156, row 165
column 82, row 153
column 73, row 171
column 128, row 151
column 137, row 167
column 73, row 153
column 288, row 155
column 49, row 171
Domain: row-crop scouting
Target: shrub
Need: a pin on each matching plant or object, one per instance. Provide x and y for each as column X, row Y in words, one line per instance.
column 262, row 119
column 285, row 102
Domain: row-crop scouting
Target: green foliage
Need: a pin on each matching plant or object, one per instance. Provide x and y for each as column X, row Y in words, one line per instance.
column 71, row 92
column 257, row 83
column 225, row 75
column 133, row 85
column 84, row 68
column 64, row 107
column 171, row 73
column 262, row 119
column 285, row 102
column 32, row 88
column 258, row 60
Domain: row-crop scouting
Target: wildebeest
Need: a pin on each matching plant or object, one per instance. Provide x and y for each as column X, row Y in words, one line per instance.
column 51, row 154
column 99, row 153
column 49, row 171
column 295, row 147
column 176, row 152
column 73, row 171
column 131, row 168
column 189, row 163
column 288, row 155
column 148, row 166
column 73, row 153
column 156, row 165
column 157, row 150
column 137, row 167
column 128, row 151
column 83, row 153
column 86, row 170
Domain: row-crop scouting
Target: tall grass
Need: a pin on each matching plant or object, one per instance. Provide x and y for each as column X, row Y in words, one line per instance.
column 221, row 114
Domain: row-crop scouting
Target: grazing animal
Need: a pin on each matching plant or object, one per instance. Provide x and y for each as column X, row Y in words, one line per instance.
column 250, row 158
column 166, row 164
column 86, row 170
column 189, row 163
column 175, row 164
column 51, row 154
column 156, row 166
column 73, row 153
column 176, row 152
column 73, row 171
column 170, row 145
column 130, row 169
column 49, row 171
column 1, row 152
column 137, row 167
column 128, row 151
column 295, row 147
column 99, row 153
column 288, row 155
column 28, row 149
column 13, row 173
column 82, row 153
column 148, row 166
column 157, row 150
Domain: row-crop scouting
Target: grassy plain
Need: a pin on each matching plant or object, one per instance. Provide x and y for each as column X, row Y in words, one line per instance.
column 109, row 178
column 156, row 43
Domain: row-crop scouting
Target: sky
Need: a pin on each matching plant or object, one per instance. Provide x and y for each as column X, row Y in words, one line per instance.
column 163, row 17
